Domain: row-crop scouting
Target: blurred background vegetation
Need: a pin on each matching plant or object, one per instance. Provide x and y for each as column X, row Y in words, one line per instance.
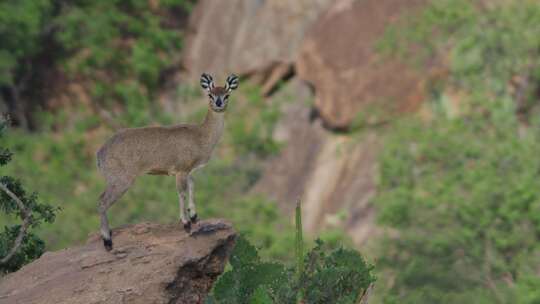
column 458, row 188
column 463, row 188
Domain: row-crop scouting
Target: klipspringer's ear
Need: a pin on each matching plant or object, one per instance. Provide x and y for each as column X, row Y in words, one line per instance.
column 231, row 83
column 207, row 82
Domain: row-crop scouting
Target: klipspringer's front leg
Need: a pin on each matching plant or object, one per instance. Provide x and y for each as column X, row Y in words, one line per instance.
column 192, row 212
column 181, row 187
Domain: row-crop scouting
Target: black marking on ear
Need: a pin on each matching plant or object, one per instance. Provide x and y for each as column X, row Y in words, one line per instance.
column 207, row 82
column 231, row 83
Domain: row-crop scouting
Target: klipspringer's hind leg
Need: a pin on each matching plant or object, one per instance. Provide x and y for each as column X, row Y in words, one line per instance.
column 111, row 194
column 106, row 233
column 181, row 187
column 192, row 212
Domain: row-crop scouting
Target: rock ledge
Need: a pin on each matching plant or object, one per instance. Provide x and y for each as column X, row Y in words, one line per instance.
column 151, row 263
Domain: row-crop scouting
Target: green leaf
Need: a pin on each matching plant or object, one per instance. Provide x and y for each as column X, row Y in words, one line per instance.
column 244, row 253
column 260, row 296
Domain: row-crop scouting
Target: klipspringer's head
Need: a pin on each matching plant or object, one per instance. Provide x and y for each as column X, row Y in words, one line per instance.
column 219, row 96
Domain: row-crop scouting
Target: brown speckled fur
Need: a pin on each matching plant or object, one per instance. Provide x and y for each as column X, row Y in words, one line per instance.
column 169, row 150
column 173, row 150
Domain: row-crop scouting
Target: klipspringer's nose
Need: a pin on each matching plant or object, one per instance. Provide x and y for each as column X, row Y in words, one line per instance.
column 219, row 102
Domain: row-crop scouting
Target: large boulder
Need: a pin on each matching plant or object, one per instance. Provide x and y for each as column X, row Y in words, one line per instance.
column 150, row 263
column 246, row 36
column 339, row 59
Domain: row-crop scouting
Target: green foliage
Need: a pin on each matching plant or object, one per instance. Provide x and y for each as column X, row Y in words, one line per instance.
column 341, row 276
column 299, row 242
column 22, row 25
column 428, row 31
column 5, row 154
column 486, row 44
column 31, row 246
column 119, row 48
column 528, row 289
column 462, row 190
column 467, row 214
column 248, row 274
column 122, row 46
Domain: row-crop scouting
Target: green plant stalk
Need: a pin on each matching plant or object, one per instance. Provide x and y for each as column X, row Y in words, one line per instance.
column 299, row 249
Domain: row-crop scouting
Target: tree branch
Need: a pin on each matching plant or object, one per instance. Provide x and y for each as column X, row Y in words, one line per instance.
column 26, row 223
column 365, row 295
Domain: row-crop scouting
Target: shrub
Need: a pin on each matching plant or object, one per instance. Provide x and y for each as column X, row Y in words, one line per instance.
column 19, row 244
column 340, row 276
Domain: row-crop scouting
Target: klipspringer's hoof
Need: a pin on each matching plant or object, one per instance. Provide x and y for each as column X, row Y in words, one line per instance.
column 107, row 243
column 194, row 218
column 187, row 227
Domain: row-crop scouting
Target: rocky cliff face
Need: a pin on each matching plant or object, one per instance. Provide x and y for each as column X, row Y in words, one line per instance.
column 151, row 263
column 248, row 37
column 330, row 173
column 325, row 54
column 338, row 57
